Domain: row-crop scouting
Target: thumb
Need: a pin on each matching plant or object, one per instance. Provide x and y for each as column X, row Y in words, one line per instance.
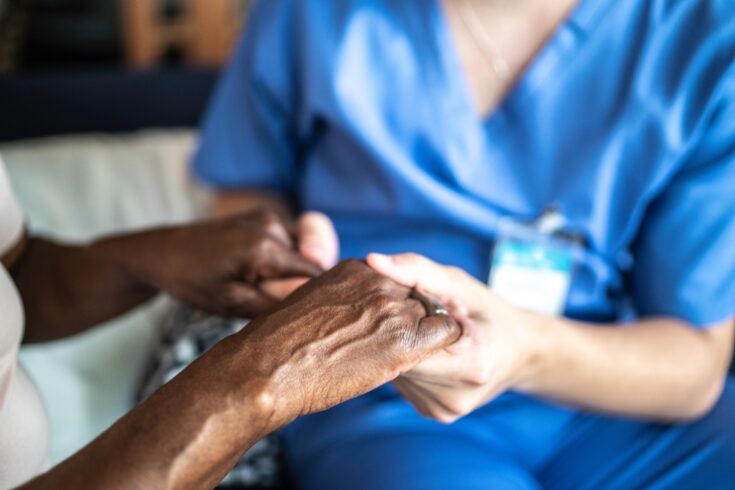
column 282, row 262
column 435, row 333
column 318, row 239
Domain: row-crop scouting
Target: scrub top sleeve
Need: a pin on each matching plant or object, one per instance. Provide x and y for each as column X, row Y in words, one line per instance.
column 247, row 139
column 685, row 253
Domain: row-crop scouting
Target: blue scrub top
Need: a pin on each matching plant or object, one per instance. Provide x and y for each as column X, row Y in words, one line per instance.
column 625, row 121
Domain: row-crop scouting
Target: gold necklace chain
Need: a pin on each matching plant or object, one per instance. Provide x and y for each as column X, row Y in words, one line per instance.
column 480, row 36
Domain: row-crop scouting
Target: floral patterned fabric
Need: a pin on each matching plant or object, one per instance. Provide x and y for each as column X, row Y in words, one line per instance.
column 187, row 335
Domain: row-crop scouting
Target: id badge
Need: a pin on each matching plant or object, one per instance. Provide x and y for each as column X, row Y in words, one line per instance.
column 532, row 267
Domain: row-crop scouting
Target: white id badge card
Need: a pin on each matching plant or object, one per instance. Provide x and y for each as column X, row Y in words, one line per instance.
column 532, row 269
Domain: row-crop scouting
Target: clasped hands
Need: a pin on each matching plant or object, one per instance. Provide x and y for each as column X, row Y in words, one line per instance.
column 352, row 328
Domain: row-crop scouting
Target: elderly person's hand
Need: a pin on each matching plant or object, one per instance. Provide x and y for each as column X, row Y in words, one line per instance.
column 491, row 356
column 316, row 239
column 341, row 335
column 221, row 266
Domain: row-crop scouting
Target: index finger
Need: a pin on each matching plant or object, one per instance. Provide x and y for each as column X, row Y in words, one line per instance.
column 435, row 333
column 280, row 262
column 448, row 284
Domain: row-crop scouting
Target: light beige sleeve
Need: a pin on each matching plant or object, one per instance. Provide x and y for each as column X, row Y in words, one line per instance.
column 11, row 316
column 11, row 216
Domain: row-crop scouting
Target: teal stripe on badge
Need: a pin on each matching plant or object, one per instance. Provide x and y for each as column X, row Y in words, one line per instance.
column 532, row 256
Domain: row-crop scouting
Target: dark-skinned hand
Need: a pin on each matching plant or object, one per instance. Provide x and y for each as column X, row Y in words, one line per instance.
column 339, row 336
column 218, row 266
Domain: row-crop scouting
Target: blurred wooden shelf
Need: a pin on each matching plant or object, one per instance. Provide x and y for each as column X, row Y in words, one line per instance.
column 205, row 32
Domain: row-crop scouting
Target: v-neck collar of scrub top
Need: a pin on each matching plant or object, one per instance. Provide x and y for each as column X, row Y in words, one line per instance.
column 557, row 51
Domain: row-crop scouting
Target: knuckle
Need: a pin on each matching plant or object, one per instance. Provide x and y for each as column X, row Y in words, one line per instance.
column 460, row 406
column 262, row 243
column 272, row 223
column 351, row 265
column 383, row 303
column 339, row 274
column 266, row 216
column 259, row 248
column 455, row 273
column 383, row 284
column 444, row 417
column 479, row 374
column 355, row 271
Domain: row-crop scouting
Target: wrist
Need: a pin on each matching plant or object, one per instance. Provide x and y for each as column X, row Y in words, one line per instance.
column 112, row 259
column 229, row 393
column 537, row 349
column 263, row 373
column 136, row 258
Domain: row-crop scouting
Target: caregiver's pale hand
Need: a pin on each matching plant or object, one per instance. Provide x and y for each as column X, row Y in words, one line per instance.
column 494, row 354
column 218, row 266
column 339, row 336
column 316, row 239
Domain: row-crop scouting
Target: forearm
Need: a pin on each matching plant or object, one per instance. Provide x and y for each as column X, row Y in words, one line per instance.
column 67, row 289
column 187, row 435
column 659, row 369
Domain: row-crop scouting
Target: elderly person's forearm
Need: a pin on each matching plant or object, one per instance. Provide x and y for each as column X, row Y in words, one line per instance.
column 345, row 333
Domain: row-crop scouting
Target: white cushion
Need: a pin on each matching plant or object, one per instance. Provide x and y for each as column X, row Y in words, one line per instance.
column 75, row 188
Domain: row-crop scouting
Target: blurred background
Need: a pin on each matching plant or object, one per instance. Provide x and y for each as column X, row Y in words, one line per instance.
column 69, row 66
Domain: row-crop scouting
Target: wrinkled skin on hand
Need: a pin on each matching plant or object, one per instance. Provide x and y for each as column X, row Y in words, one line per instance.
column 218, row 266
column 342, row 335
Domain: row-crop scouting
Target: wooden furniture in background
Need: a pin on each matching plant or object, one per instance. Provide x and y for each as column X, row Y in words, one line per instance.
column 13, row 22
column 205, row 32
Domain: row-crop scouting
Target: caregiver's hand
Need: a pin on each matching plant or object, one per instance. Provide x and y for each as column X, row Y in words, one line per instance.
column 493, row 355
column 220, row 266
column 341, row 335
column 316, row 239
